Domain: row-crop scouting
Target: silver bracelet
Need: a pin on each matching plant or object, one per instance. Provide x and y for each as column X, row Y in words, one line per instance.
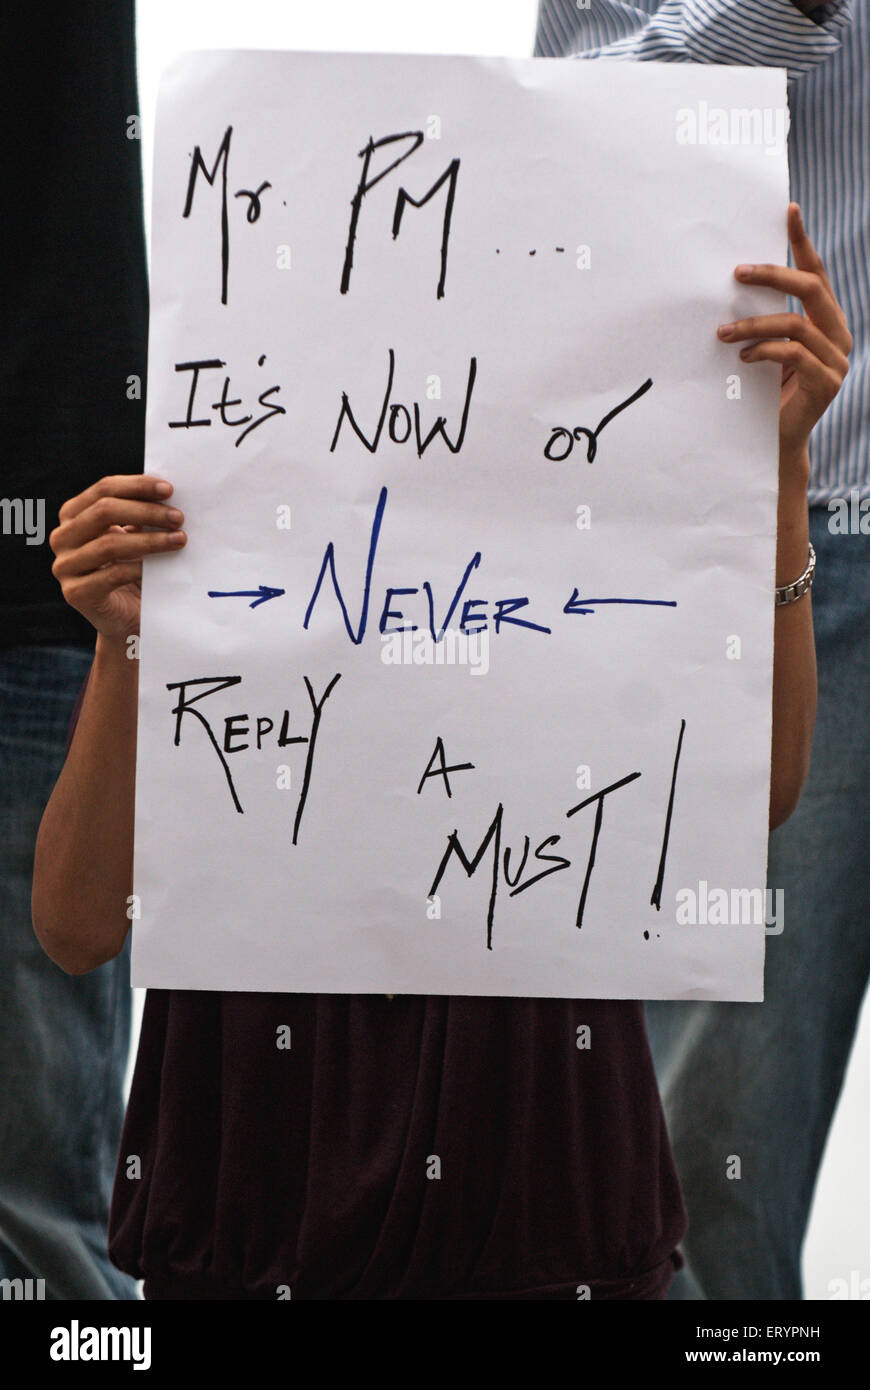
column 790, row 593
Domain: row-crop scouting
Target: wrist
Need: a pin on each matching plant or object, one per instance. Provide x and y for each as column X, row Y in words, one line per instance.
column 794, row 471
column 794, row 589
column 792, row 515
column 113, row 652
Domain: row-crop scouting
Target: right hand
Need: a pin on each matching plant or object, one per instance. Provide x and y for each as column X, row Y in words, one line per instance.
column 100, row 544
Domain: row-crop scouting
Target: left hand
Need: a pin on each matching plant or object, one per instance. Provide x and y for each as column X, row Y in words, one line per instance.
column 813, row 350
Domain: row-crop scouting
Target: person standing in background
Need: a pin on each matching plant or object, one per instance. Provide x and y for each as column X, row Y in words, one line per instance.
column 761, row 1082
column 74, row 325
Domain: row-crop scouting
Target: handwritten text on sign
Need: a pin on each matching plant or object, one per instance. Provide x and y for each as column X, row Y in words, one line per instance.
column 461, row 684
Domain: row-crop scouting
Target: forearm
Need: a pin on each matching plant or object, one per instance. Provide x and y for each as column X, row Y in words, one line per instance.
column 794, row 660
column 84, row 850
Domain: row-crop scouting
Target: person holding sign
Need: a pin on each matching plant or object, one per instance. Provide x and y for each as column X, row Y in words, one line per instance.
column 367, row 1147
column 816, row 973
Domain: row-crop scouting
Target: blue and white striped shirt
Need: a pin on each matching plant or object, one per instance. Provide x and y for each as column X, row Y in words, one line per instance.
column 829, row 150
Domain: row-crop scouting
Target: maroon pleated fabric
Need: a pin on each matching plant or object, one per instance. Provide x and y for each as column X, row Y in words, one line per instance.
column 413, row 1148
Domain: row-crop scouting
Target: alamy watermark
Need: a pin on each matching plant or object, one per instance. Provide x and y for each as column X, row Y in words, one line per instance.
column 849, row 516
column 704, row 124
column 856, row 1286
column 417, row 647
column 23, row 516
column 78, row 1343
column 24, row 1290
column 731, row 907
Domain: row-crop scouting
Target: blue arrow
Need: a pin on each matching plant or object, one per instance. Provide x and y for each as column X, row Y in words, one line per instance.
column 261, row 595
column 576, row 604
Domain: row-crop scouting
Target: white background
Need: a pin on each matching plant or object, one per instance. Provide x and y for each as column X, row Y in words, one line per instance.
column 840, row 1222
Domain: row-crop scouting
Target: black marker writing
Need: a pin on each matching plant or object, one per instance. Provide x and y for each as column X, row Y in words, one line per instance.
column 454, row 846
column 442, row 770
column 656, row 899
column 557, row 860
column 317, row 707
column 185, row 706
column 197, row 167
column 196, row 367
column 555, row 863
column 255, row 207
column 223, row 404
column 403, row 197
column 399, row 426
column 599, row 816
column 493, row 837
column 559, row 432
column 237, row 728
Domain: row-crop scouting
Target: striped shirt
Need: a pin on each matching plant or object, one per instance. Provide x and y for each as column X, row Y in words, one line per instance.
column 829, row 141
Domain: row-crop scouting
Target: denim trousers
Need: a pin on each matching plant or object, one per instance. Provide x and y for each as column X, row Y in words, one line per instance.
column 760, row 1082
column 64, row 1040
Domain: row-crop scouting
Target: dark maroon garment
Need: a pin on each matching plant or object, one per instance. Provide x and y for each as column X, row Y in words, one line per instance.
column 312, row 1167
column 408, row 1148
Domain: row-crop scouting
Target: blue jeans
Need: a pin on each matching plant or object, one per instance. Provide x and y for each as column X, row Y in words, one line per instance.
column 64, row 1039
column 761, row 1081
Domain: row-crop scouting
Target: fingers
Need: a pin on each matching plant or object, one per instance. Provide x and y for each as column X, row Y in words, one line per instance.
column 805, row 255
column 807, row 281
column 810, row 289
column 793, row 326
column 84, row 592
column 813, row 350
column 114, row 547
column 820, row 381
column 106, row 512
column 102, row 538
column 138, row 485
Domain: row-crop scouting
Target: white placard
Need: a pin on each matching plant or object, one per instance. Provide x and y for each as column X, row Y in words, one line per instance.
column 472, row 490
